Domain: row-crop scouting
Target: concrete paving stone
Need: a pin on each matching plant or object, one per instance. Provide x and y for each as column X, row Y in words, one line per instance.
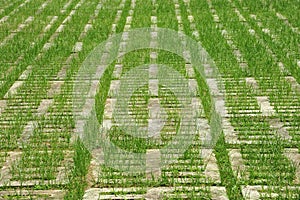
column 265, row 106
column 241, row 17
column 67, row 19
column 77, row 6
column 154, row 108
column 153, row 87
column 280, row 16
column 280, row 129
column 184, row 180
column 34, row 194
column 128, row 19
column 55, row 88
column 4, row 19
column 221, row 107
column 67, row 5
column 107, row 124
column 130, row 12
column 293, row 82
column 89, row 196
column 182, row 174
column 87, row 108
column 160, row 192
column 3, row 105
column 251, row 192
column 184, row 196
column 153, row 19
column 29, row 19
column 191, row 18
column 153, row 163
column 123, row 46
column 209, row 71
column 243, row 65
column 61, row 177
column 99, row 72
column 26, row 73
column 251, row 31
column 190, row 71
column 153, row 44
column 119, row 13
column 237, row 53
column 109, row 107
column 133, row 4
column 154, row 127
column 27, row 132
column 250, row 111
column 48, row 27
column 230, row 43
column 237, row 164
column 62, row 11
column 60, row 28
column 195, row 33
column 62, row 73
column 218, row 193
column 224, row 33
column 78, row 47
column 14, row 88
column 293, row 155
column 193, row 86
column 178, row 17
column 32, row 183
column 44, row 106
column 127, row 27
column 255, row 192
column 154, row 35
column 216, row 18
column 99, row 6
column 114, row 87
column 88, row 27
column 211, row 170
column 153, row 71
column 187, row 56
column 78, row 130
column 114, row 28
column 230, row 134
column 203, row 128
column 117, row 71
column 154, row 26
column 213, row 86
column 153, row 55
column 197, row 106
column 251, row 82
column 5, row 170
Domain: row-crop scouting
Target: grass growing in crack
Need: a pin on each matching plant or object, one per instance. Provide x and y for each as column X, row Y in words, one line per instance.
column 77, row 184
column 227, row 175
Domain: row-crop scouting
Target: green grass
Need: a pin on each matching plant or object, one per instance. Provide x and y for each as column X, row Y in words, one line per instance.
column 51, row 148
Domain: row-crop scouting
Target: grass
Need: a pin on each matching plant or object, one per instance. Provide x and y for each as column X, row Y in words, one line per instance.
column 49, row 151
